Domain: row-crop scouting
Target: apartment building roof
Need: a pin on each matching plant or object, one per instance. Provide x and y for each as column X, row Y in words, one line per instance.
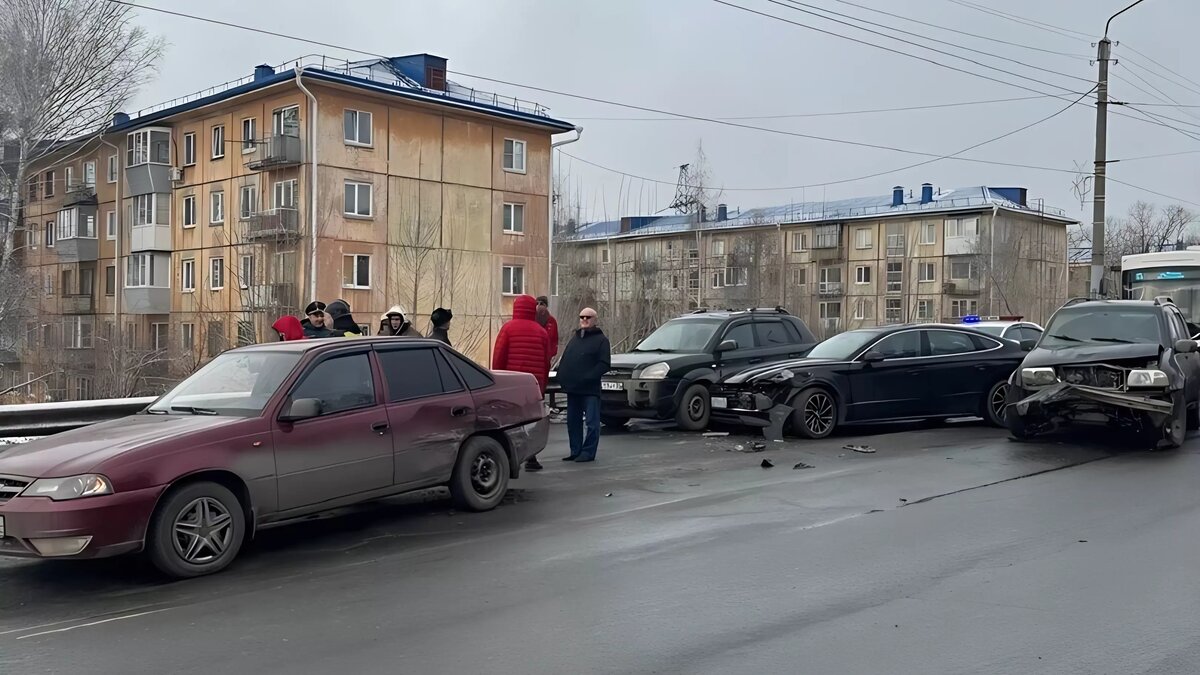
column 419, row 78
column 898, row 203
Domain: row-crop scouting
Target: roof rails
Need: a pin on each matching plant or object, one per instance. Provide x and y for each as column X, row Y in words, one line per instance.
column 777, row 309
column 1076, row 301
column 1163, row 300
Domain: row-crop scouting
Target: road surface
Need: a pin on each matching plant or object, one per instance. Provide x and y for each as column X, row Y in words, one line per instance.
column 949, row 550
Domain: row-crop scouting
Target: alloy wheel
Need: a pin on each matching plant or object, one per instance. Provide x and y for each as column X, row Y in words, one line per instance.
column 999, row 402
column 202, row 531
column 696, row 407
column 818, row 413
column 485, row 475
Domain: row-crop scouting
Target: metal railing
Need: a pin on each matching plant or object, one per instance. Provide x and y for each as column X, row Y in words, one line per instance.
column 272, row 223
column 43, row 419
column 274, row 152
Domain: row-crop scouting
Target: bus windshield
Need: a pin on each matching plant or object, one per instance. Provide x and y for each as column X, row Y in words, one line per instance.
column 1185, row 292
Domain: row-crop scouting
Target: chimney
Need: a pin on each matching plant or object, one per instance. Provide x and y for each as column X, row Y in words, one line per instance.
column 722, row 213
column 427, row 70
column 120, row 118
column 926, row 193
column 703, row 215
column 262, row 72
column 897, row 196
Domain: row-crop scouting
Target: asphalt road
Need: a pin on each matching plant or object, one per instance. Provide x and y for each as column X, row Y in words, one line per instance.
column 949, row 550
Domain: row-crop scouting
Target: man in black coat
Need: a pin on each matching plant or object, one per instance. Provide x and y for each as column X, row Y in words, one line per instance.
column 314, row 322
column 584, row 361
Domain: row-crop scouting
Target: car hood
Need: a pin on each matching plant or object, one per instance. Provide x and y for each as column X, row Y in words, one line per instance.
column 83, row 450
column 770, row 370
column 636, row 360
column 1089, row 353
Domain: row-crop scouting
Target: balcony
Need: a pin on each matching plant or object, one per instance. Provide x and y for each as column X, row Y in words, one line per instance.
column 81, row 193
column 78, row 304
column 272, row 223
column 962, row 287
column 151, row 237
column 278, row 298
column 275, row 152
column 829, row 288
column 147, row 300
column 76, row 230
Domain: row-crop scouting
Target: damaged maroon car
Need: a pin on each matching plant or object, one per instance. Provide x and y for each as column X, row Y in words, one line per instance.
column 1130, row 365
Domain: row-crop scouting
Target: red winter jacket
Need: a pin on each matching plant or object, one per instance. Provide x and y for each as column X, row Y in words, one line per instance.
column 523, row 345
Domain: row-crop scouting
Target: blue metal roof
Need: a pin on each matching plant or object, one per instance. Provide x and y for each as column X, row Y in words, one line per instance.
column 879, row 206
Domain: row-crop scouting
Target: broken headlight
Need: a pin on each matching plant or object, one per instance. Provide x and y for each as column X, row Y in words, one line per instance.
column 1146, row 379
column 1038, row 377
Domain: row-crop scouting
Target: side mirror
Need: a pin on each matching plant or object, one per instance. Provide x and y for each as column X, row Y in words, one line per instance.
column 1028, row 345
column 1186, row 346
column 872, row 357
column 727, row 346
column 302, row 409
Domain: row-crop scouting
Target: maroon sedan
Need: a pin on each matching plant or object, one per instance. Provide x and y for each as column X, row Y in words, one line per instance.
column 266, row 434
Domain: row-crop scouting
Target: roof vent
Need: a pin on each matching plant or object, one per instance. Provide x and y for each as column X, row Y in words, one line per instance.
column 897, row 196
column 722, row 213
column 262, row 72
column 427, row 70
column 926, row 193
column 120, row 118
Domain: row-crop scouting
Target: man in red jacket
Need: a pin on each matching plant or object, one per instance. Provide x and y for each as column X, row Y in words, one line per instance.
column 524, row 346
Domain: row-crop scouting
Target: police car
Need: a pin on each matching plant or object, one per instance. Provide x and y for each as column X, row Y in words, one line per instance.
column 1010, row 328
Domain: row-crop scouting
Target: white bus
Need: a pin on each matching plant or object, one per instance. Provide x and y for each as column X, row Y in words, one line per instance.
column 1145, row 276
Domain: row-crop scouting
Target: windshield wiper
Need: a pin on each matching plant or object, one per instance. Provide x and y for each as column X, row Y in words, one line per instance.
column 1068, row 338
column 660, row 350
column 1110, row 339
column 193, row 410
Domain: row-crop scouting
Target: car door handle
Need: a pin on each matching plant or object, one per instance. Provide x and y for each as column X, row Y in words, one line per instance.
column 460, row 411
column 380, row 428
column 794, row 355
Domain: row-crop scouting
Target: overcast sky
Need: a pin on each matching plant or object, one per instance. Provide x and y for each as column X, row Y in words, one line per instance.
column 702, row 58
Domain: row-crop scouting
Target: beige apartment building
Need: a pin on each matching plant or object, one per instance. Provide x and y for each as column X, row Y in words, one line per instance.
column 188, row 228
column 924, row 256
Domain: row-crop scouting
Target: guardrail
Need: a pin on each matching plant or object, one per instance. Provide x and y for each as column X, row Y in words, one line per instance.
column 43, row 419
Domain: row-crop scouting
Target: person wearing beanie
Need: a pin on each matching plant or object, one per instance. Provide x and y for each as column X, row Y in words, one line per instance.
column 440, row 318
column 392, row 323
column 344, row 324
column 314, row 322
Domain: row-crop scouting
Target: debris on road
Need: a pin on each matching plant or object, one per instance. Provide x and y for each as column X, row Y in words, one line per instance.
column 802, row 465
column 767, row 464
column 715, row 434
column 758, row 447
column 904, row 500
column 754, row 447
column 865, row 449
column 739, row 448
column 1083, row 541
column 608, row 494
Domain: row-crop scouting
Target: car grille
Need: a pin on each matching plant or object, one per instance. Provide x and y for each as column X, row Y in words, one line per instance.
column 1104, row 377
column 618, row 375
column 11, row 487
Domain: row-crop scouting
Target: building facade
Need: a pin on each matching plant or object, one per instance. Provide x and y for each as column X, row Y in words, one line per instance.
column 936, row 255
column 189, row 228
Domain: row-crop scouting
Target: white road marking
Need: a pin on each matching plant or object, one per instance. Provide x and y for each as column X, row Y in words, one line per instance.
column 94, row 623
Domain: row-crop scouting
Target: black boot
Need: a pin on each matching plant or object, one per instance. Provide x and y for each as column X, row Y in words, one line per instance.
column 532, row 464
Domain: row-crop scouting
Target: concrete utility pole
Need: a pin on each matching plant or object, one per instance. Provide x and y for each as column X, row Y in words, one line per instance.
column 1103, row 55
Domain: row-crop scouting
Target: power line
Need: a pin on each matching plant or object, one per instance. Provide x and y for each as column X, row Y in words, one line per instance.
column 1057, row 30
column 1165, row 154
column 1130, row 62
column 1148, row 190
column 1151, row 60
column 1155, row 119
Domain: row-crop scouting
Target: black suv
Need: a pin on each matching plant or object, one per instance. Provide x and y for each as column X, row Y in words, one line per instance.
column 1130, row 364
column 667, row 375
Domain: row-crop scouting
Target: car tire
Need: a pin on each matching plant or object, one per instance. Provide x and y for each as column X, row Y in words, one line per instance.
column 480, row 476
column 1175, row 430
column 814, row 413
column 1193, row 416
column 197, row 529
column 694, row 408
column 994, row 406
column 614, row 422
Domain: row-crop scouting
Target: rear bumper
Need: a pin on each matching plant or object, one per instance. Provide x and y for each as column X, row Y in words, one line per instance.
column 113, row 524
column 643, row 399
column 526, row 441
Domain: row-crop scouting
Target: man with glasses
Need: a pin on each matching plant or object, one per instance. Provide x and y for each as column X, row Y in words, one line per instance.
column 585, row 360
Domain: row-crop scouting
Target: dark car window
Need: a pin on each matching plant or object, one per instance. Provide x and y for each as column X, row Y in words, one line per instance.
column 772, row 334
column 903, row 345
column 472, row 374
column 415, row 373
column 450, row 381
column 340, row 383
column 1027, row 333
column 946, row 342
column 793, row 332
column 1178, row 326
column 743, row 333
column 983, row 343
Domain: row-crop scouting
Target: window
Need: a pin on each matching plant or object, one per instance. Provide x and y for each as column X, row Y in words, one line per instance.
column 159, row 336
column 48, row 284
column 283, row 194
column 218, row 141
column 473, row 375
column 68, row 282
column 928, row 233
column 187, row 336
column 828, row 236
column 862, row 274
column 924, row 310
column 48, row 191
column 139, row 270
column 187, row 275
column 249, row 129
column 216, row 338
column 960, row 271
column 356, row 125
column 189, row 211
column 416, row 373
column 246, row 278
column 799, row 276
column 514, row 218
column 148, row 146
column 742, row 334
column 830, row 280
column 286, row 121
column 903, row 345
column 113, row 168
column 737, row 276
column 961, row 308
column 216, row 214
column 87, row 281
column 694, row 280
column 151, row 209
column 864, row 308
column 340, row 384
column 83, row 388
column 718, row 279
column 247, row 201
column 50, row 234
column 716, row 247
column 862, row 238
column 69, row 177
column 246, row 335
column 893, row 310
column 110, row 224
column 89, row 174
column 895, row 277
column 771, row 334
column 216, row 274
column 962, row 227
column 830, row 310
column 926, row 272
column 514, row 155
column 356, row 271
column 604, row 256
column 110, row 280
column 189, row 148
column 512, row 280
column 34, row 181
column 946, row 342
column 358, row 199
column 799, row 242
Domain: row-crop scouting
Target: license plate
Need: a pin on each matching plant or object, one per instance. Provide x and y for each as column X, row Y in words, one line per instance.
column 612, row 386
column 1, row 527
column 720, row 402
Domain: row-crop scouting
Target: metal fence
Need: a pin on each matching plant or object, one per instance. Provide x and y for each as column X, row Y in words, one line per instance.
column 43, row 419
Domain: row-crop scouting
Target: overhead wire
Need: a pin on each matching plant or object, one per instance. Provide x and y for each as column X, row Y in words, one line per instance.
column 1057, row 30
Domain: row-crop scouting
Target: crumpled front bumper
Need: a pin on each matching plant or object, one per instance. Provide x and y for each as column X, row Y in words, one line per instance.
column 1063, row 395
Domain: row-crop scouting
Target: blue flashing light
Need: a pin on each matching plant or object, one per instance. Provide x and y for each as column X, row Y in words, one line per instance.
column 971, row 318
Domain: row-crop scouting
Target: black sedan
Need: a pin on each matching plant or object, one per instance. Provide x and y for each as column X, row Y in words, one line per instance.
column 874, row 375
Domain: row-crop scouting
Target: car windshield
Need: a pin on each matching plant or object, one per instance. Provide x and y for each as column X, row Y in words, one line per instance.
column 998, row 331
column 843, row 346
column 235, row 383
column 1102, row 325
column 680, row 335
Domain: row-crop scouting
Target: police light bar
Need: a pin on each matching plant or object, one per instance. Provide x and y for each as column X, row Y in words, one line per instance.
column 971, row 318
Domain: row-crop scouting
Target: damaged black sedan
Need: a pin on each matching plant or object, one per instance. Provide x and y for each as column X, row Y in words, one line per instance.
column 870, row 375
column 1130, row 365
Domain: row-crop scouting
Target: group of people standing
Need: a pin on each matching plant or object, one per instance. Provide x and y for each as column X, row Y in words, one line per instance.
column 334, row 320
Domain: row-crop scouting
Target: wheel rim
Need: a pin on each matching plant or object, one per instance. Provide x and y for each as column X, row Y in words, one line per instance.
column 999, row 402
column 696, row 407
column 818, row 413
column 203, row 531
column 485, row 475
